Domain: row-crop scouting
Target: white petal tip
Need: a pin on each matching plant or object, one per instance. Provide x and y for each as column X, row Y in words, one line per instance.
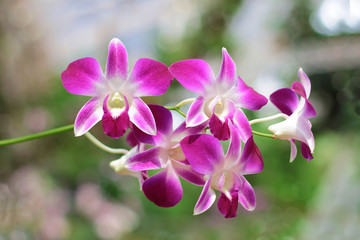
column 78, row 133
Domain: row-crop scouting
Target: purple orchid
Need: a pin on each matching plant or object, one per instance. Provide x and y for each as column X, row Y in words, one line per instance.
column 224, row 173
column 164, row 188
column 220, row 97
column 116, row 94
column 297, row 126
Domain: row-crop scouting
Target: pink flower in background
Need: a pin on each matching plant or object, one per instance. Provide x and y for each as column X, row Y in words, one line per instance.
column 116, row 94
column 164, row 188
column 224, row 173
column 297, row 126
column 220, row 97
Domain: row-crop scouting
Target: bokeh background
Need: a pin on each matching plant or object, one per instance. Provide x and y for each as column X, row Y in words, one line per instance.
column 61, row 187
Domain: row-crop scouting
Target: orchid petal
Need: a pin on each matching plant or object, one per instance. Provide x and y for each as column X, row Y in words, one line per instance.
column 194, row 74
column 218, row 123
column 246, row 97
column 242, row 125
column 293, row 151
column 196, row 114
column 187, row 173
column 234, row 152
column 247, row 195
column 206, row 199
column 285, row 100
column 115, row 127
column 88, row 116
column 131, row 139
column 204, row 152
column 150, row 78
column 164, row 188
column 219, row 129
column 299, row 89
column 114, row 124
column 152, row 158
column 183, row 131
column 305, row 81
column 227, row 75
column 82, row 77
column 306, row 152
column 117, row 62
column 251, row 160
column 163, row 120
column 308, row 110
column 226, row 206
column 140, row 115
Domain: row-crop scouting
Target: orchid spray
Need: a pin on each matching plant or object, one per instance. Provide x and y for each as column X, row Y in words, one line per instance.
column 193, row 151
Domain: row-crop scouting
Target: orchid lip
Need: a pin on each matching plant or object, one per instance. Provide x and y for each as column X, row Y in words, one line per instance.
column 117, row 103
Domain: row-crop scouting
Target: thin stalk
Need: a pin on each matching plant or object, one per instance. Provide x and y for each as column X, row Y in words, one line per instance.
column 282, row 115
column 186, row 101
column 102, row 146
column 36, row 135
column 176, row 109
column 263, row 134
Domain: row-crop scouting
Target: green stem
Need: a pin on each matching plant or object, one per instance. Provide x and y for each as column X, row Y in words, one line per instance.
column 263, row 134
column 36, row 135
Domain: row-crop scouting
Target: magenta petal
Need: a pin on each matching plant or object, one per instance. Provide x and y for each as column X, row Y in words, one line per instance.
column 82, row 76
column 163, row 120
column 147, row 160
column 140, row 115
column 187, row 173
column 285, row 100
column 227, row 75
column 194, row 74
column 206, row 199
column 247, row 195
column 117, row 61
column 226, row 206
column 150, row 77
column 309, row 110
column 251, row 160
column 305, row 151
column 246, row 97
column 114, row 126
column 183, row 131
column 218, row 128
column 299, row 88
column 242, row 125
column 88, row 116
column 131, row 139
column 305, row 81
column 204, row 152
column 164, row 188
column 234, row 151
column 196, row 114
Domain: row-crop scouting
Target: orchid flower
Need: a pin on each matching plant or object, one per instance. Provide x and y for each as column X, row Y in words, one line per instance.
column 220, row 98
column 297, row 126
column 116, row 94
column 223, row 173
column 164, row 188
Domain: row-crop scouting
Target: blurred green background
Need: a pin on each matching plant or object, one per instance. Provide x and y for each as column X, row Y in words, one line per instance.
column 61, row 187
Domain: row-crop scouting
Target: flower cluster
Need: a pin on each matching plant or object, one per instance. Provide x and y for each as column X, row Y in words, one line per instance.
column 193, row 151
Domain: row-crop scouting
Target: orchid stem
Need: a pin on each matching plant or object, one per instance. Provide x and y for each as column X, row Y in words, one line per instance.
column 174, row 108
column 186, row 101
column 282, row 115
column 102, row 146
column 263, row 134
column 36, row 135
